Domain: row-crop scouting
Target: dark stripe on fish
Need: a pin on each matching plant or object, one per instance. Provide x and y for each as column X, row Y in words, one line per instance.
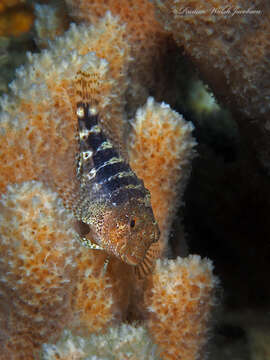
column 102, row 156
column 124, row 194
column 117, row 183
column 94, row 140
column 104, row 166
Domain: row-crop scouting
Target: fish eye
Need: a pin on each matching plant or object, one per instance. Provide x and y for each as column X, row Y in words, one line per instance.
column 132, row 223
column 82, row 228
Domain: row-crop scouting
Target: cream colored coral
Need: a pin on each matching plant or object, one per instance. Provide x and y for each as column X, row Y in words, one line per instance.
column 38, row 130
column 93, row 303
column 48, row 280
column 161, row 148
column 37, row 268
column 124, row 342
column 180, row 303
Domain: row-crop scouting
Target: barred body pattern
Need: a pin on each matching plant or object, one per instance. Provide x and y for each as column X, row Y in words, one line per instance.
column 114, row 208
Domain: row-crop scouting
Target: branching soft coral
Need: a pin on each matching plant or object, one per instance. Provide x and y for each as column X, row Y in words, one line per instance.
column 161, row 139
column 180, row 301
column 42, row 109
column 38, row 248
column 50, row 281
column 125, row 342
column 180, row 297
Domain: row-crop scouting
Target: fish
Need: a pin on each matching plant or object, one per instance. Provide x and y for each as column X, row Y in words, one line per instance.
column 114, row 209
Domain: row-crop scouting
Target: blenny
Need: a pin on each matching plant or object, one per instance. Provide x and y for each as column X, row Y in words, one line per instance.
column 114, row 209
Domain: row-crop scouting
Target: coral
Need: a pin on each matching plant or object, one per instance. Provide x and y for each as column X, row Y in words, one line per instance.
column 161, row 138
column 124, row 342
column 230, row 40
column 150, row 44
column 179, row 300
column 50, row 281
column 53, row 281
column 235, row 48
column 38, row 247
column 93, row 303
column 42, row 100
column 143, row 31
column 179, row 303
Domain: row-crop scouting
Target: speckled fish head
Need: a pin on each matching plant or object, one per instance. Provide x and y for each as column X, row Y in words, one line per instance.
column 128, row 231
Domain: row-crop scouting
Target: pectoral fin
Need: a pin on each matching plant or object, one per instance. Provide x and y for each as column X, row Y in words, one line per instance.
column 148, row 263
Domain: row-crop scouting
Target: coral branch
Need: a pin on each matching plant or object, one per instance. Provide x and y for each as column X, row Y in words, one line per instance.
column 41, row 111
column 37, row 267
column 180, row 304
column 124, row 342
column 148, row 42
column 160, row 151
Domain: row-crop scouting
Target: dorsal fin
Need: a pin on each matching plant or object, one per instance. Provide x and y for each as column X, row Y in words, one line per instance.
column 93, row 84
